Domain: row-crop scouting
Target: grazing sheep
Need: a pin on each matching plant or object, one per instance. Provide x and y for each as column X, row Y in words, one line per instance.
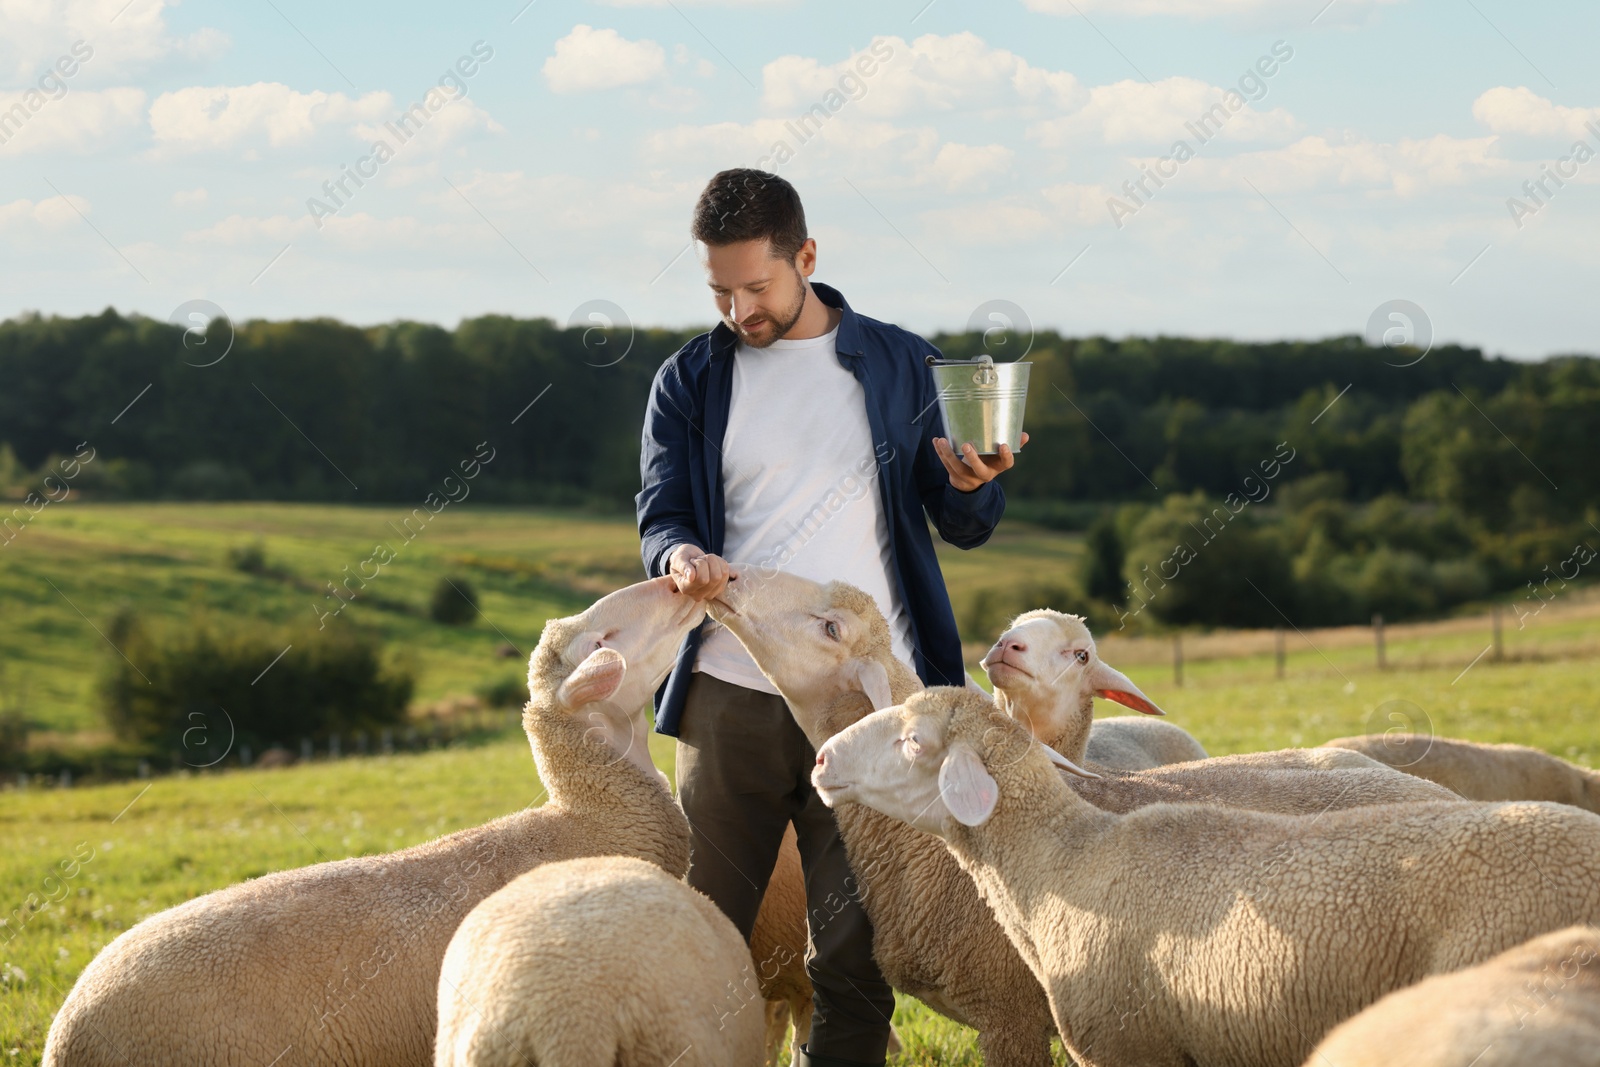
column 339, row 962
column 1481, row 771
column 1046, row 673
column 1187, row 935
column 1538, row 1003
column 598, row 962
column 826, row 649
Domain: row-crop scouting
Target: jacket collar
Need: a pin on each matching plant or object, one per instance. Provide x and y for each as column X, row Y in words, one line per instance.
column 847, row 341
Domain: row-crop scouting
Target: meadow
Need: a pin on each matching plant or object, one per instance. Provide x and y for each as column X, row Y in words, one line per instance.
column 141, row 846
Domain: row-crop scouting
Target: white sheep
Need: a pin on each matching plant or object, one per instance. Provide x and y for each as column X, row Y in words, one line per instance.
column 1046, row 671
column 1538, row 1003
column 339, row 962
column 598, row 962
column 827, row 650
column 1196, row 934
column 1480, row 771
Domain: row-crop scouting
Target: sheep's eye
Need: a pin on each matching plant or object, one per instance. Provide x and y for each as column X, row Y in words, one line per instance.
column 913, row 747
column 1081, row 655
column 832, row 629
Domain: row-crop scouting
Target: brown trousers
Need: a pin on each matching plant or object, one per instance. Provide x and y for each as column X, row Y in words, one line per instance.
column 744, row 772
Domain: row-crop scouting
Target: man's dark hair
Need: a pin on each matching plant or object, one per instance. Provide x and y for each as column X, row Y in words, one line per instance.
column 745, row 204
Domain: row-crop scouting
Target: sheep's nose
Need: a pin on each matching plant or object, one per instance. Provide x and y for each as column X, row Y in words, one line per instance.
column 1015, row 645
column 822, row 759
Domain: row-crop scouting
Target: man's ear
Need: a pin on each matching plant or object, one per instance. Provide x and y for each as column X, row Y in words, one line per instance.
column 1114, row 685
column 965, row 786
column 598, row 677
column 874, row 681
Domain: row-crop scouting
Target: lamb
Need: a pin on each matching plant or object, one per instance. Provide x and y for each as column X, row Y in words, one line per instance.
column 1538, row 1003
column 1047, row 671
column 598, row 962
column 339, row 962
column 1482, row 771
column 1234, row 937
column 778, row 946
column 827, row 650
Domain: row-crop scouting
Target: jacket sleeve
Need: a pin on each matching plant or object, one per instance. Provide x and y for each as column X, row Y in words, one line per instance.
column 665, row 504
column 963, row 519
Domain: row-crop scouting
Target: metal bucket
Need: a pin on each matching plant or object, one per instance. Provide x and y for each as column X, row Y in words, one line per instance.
column 981, row 401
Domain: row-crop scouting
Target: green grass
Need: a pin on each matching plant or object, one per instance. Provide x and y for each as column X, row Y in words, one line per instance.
column 156, row 844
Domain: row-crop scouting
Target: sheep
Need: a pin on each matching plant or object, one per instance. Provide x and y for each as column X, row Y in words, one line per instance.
column 827, row 650
column 1046, row 671
column 339, row 962
column 1196, row 934
column 778, row 945
column 1538, row 1003
column 1482, row 771
column 1134, row 743
column 597, row 962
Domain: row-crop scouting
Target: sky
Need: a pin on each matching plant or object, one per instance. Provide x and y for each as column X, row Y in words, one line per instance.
column 1256, row 169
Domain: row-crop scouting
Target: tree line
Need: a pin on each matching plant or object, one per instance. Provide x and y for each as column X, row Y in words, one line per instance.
column 1400, row 460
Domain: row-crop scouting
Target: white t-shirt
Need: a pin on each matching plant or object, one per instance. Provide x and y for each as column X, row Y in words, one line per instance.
column 800, row 488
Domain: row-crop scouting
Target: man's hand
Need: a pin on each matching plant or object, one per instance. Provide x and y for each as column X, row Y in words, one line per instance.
column 697, row 572
column 968, row 470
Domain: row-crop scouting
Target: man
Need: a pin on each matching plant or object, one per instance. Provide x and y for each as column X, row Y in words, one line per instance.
column 801, row 436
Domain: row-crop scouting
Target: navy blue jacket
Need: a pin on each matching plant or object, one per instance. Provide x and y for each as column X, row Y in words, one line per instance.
column 681, row 470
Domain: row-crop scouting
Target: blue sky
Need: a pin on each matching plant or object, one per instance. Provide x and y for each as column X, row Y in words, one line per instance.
column 982, row 158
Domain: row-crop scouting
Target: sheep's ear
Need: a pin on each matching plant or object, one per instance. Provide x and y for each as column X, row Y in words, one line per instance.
column 966, row 787
column 598, row 677
column 1114, row 685
column 874, row 681
column 1064, row 763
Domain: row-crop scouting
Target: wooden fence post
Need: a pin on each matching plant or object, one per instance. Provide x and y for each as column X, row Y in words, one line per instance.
column 1377, row 636
column 1499, row 648
column 1278, row 649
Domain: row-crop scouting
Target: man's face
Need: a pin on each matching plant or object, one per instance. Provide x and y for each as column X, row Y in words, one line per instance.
column 759, row 297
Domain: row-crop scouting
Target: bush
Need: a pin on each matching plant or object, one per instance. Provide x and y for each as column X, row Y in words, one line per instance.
column 509, row 692
column 250, row 558
column 1101, row 572
column 981, row 614
column 204, row 687
column 454, row 602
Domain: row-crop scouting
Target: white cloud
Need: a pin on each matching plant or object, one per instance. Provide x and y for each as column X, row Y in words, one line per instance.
column 961, row 166
column 190, row 197
column 1522, row 111
column 457, row 120
column 588, row 59
column 110, row 38
column 892, row 77
column 82, row 119
column 53, row 213
column 210, row 118
column 1406, row 167
column 1135, row 112
column 1194, row 9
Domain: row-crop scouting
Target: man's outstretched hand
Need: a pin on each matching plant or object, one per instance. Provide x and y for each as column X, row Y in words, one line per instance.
column 968, row 470
column 698, row 573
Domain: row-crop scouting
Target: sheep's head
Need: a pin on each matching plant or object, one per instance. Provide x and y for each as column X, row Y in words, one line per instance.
column 1048, row 671
column 814, row 641
column 607, row 661
column 928, row 760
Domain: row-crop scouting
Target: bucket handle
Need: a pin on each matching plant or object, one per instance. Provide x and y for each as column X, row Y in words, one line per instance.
column 984, row 374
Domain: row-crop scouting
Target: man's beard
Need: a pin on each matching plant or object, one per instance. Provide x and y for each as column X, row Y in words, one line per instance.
column 781, row 325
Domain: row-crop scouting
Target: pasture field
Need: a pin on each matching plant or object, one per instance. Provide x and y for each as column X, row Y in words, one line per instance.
column 153, row 844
